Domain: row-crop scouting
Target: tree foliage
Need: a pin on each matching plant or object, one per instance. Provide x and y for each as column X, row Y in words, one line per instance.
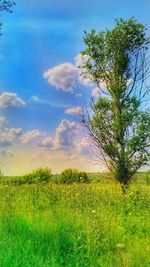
column 6, row 5
column 117, row 122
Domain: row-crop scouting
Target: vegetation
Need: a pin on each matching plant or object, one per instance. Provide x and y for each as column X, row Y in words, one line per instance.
column 44, row 175
column 6, row 5
column 116, row 60
column 77, row 219
column 37, row 176
column 70, row 176
column 84, row 225
column 40, row 175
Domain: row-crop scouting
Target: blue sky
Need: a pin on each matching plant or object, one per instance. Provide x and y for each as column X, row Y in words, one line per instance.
column 37, row 37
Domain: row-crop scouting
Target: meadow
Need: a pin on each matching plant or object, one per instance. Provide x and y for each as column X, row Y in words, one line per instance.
column 76, row 225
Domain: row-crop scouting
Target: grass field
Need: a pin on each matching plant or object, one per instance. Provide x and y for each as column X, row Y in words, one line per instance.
column 75, row 225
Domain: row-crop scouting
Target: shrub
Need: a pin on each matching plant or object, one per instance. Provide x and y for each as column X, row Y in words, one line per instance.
column 69, row 176
column 40, row 175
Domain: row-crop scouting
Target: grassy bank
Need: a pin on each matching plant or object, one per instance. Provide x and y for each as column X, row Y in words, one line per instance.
column 74, row 225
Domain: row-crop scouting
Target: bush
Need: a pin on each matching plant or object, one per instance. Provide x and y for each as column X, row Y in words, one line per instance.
column 70, row 176
column 40, row 175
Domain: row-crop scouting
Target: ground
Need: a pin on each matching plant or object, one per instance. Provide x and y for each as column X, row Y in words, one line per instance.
column 92, row 225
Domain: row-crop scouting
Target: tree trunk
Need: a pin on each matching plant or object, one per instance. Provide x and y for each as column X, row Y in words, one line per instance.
column 122, row 176
column 124, row 187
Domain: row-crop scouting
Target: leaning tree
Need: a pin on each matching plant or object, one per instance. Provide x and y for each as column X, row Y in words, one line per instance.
column 118, row 122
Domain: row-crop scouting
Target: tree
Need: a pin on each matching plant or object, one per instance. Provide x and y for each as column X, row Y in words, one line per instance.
column 118, row 123
column 6, row 5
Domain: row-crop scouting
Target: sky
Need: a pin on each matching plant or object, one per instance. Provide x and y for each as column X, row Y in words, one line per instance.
column 41, row 90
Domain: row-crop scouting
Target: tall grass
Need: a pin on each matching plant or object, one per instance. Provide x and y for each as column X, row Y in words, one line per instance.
column 79, row 225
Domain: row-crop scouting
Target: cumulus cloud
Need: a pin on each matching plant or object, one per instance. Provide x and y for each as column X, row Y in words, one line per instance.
column 68, row 139
column 66, row 133
column 66, row 75
column 30, row 136
column 8, row 99
column 65, row 137
column 62, row 76
column 48, row 142
column 84, row 145
column 14, row 133
column 74, row 111
column 66, row 147
column 11, row 136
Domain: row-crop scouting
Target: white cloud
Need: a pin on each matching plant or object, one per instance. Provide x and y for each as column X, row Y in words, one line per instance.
column 48, row 142
column 10, row 135
column 84, row 145
column 65, row 148
column 65, row 138
column 74, row 111
column 62, row 76
column 68, row 139
column 80, row 60
column 66, row 75
column 14, row 133
column 67, row 133
column 30, row 136
column 8, row 99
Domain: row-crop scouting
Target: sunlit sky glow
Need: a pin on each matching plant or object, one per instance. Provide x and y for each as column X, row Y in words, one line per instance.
column 41, row 91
